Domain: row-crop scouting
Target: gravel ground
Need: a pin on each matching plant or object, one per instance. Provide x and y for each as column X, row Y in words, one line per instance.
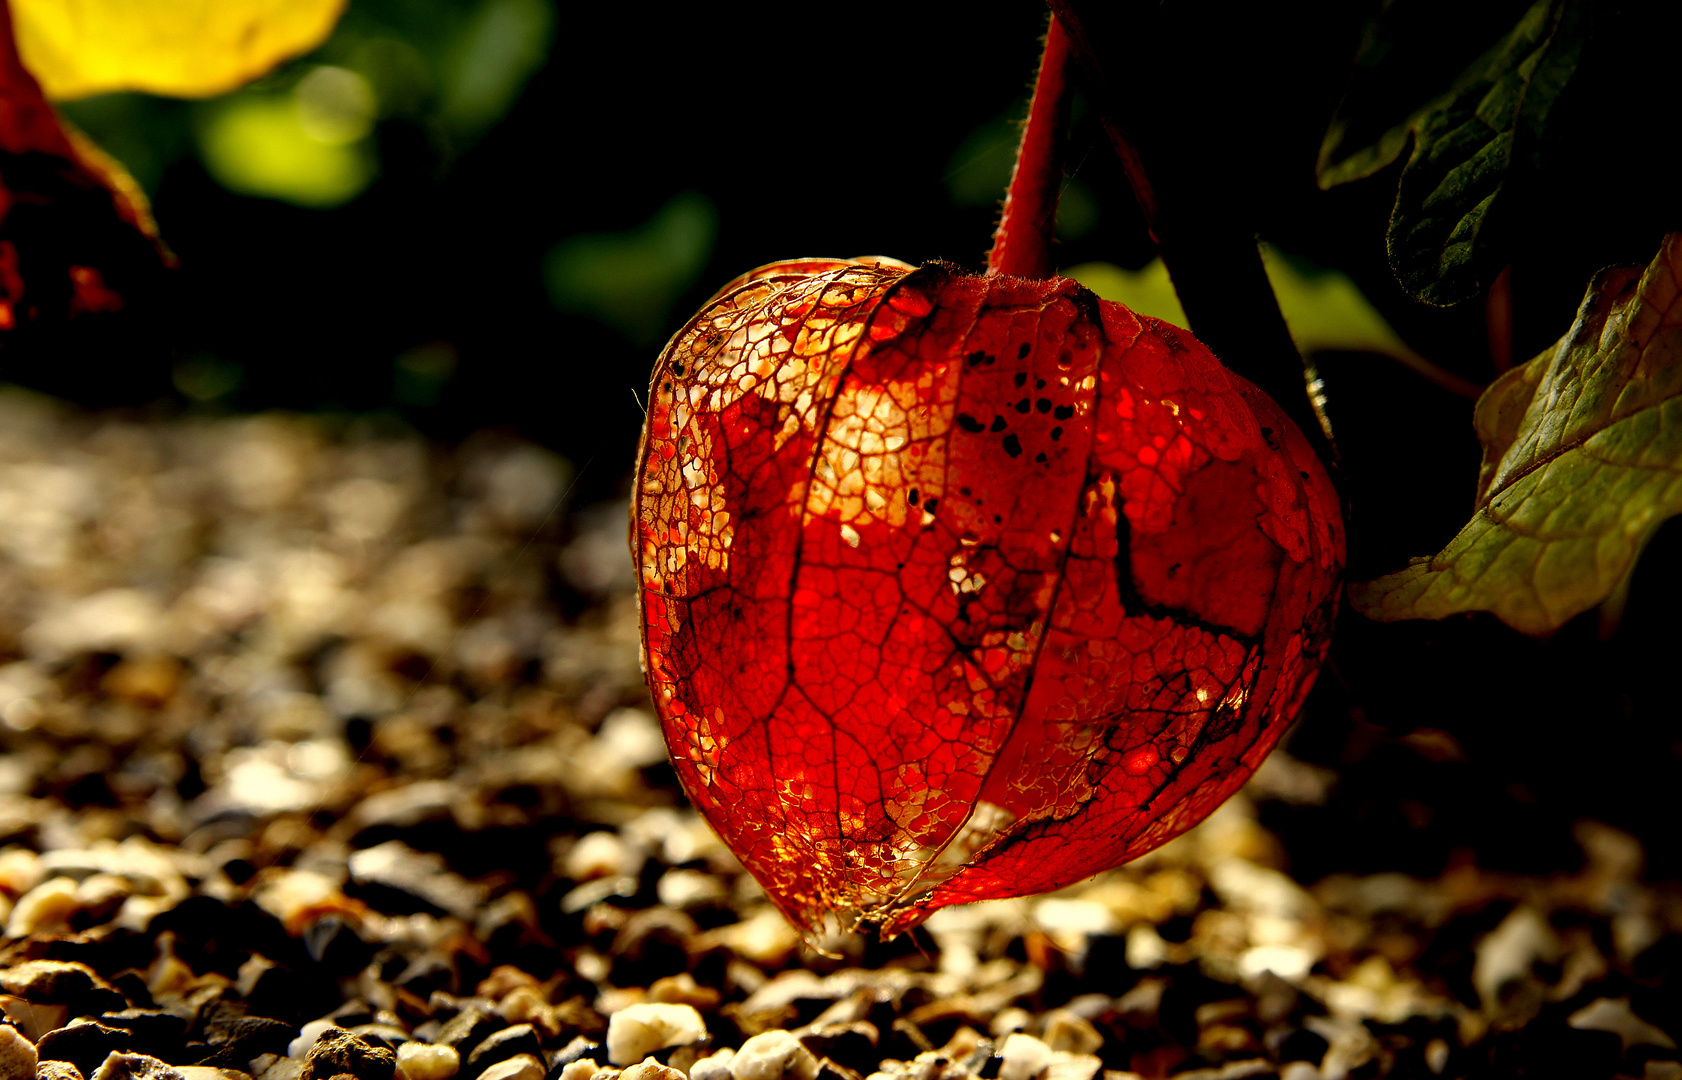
column 326, row 754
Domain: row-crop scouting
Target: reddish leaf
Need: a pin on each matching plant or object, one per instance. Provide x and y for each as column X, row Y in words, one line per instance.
column 958, row 588
column 74, row 228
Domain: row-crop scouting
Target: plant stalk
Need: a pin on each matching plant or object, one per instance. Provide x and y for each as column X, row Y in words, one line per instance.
column 1028, row 223
column 1189, row 207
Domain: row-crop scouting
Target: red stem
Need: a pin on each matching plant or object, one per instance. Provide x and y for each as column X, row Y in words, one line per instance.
column 1022, row 242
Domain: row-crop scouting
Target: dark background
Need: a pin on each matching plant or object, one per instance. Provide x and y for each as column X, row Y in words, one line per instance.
column 819, row 130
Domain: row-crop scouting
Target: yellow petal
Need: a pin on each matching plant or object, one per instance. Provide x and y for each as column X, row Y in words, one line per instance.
column 182, row 48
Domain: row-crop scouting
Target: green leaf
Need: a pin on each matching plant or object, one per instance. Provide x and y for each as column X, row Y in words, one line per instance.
column 1582, row 463
column 631, row 280
column 1474, row 145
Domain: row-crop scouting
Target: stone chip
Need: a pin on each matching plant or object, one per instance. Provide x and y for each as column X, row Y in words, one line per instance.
column 774, row 1055
column 337, row 1052
column 637, row 1031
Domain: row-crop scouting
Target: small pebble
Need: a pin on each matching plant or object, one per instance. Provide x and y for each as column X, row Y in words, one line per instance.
column 1067, row 1066
column 599, row 854
column 715, row 1066
column 1022, row 1057
column 1064, row 1030
column 337, row 1051
column 48, row 906
column 527, row 1005
column 307, row 1036
column 276, row 1067
column 17, row 1055
column 773, row 1055
column 20, row 870
column 135, row 1067
column 578, row 1049
column 518, row 1067
column 637, row 1031
column 84, row 1043
column 582, row 1069
column 32, row 1018
column 57, row 1070
column 681, row 989
column 502, row 1045
column 467, row 1029
column 59, row 982
column 424, row 1061
column 649, row 1069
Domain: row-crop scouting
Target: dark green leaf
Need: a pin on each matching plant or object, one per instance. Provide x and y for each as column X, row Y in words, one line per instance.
column 1473, row 145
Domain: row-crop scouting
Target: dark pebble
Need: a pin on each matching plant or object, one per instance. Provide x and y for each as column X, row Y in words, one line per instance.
column 853, row 1044
column 225, row 1025
column 1302, row 1045
column 500, row 1046
column 153, row 1031
column 335, row 945
column 280, row 992
column 84, row 1043
column 577, row 1049
column 132, row 985
column 396, row 879
column 337, row 1051
column 426, row 973
column 198, row 1051
column 62, row 982
column 466, row 1030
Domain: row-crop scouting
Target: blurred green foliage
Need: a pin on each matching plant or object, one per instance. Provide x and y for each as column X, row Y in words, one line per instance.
column 306, row 133
column 1324, row 309
column 309, row 147
column 630, row 280
column 419, row 375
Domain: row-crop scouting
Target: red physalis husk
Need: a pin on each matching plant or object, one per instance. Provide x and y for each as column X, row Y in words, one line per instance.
column 958, row 588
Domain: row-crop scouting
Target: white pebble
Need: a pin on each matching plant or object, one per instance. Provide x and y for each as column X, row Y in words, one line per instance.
column 121, row 1066
column 17, row 1055
column 598, row 855
column 518, row 1067
column 772, row 1055
column 1022, row 1057
column 307, row 1035
column 715, row 1066
column 20, row 870
column 649, row 1069
column 208, row 1072
column 424, row 1061
column 46, row 906
column 275, row 1067
column 582, row 1069
column 637, row 1031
